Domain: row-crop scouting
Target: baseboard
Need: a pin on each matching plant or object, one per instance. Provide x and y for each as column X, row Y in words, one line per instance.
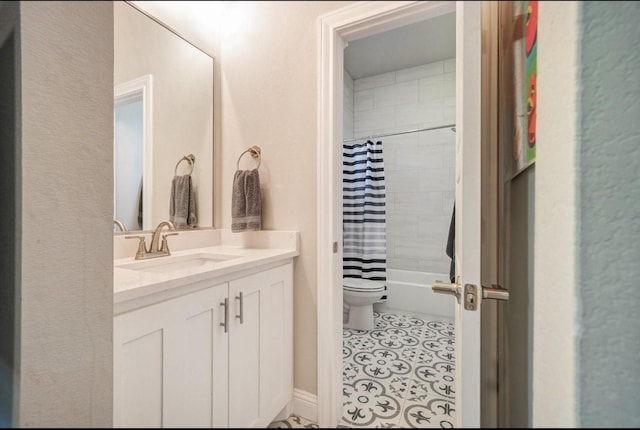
column 305, row 405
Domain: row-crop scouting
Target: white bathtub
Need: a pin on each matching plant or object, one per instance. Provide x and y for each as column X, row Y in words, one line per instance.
column 411, row 291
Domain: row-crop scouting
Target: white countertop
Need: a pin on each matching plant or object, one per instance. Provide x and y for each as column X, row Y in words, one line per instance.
column 140, row 286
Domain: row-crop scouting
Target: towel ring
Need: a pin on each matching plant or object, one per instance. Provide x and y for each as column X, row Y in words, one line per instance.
column 191, row 159
column 255, row 153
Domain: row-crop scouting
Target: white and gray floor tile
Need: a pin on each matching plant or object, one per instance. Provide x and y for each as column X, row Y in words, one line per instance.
column 399, row 374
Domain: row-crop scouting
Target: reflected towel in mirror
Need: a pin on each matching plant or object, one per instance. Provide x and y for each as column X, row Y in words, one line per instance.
column 246, row 201
column 182, row 204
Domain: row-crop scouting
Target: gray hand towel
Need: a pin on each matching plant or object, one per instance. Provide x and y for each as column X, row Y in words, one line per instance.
column 246, row 201
column 182, row 204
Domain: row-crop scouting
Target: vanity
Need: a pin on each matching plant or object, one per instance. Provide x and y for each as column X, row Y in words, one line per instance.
column 204, row 337
column 203, row 319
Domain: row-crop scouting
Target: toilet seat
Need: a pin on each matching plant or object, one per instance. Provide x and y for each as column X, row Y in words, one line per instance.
column 359, row 285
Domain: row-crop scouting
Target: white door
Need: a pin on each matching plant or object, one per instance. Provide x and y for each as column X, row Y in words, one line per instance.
column 351, row 23
column 468, row 197
column 468, row 215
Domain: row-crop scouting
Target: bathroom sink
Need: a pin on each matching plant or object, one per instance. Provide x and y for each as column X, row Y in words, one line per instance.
column 176, row 263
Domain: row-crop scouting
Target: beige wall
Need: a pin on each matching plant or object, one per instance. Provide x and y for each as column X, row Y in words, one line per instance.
column 269, row 99
column 66, row 303
column 182, row 105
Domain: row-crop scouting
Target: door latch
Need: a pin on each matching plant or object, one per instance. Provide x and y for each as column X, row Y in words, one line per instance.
column 495, row 292
column 447, row 288
column 470, row 293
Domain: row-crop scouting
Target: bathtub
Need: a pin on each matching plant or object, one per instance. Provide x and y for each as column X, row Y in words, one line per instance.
column 410, row 291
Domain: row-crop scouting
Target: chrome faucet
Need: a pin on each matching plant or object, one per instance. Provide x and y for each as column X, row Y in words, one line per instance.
column 154, row 250
column 119, row 224
column 155, row 238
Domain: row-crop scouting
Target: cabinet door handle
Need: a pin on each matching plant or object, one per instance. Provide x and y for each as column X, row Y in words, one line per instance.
column 241, row 306
column 225, row 324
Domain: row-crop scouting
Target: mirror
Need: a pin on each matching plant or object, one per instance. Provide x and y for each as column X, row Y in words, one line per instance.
column 163, row 125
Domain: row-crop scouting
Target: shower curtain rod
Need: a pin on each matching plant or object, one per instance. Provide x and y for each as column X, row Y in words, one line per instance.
column 452, row 126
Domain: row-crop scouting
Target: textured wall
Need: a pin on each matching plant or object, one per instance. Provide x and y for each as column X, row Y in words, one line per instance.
column 555, row 248
column 66, row 374
column 609, row 196
column 269, row 98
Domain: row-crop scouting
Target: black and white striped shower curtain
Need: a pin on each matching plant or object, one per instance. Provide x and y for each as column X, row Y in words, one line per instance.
column 364, row 212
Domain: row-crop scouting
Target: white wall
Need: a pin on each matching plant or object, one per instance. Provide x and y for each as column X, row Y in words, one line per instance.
column 555, row 324
column 66, row 286
column 269, row 98
column 419, row 167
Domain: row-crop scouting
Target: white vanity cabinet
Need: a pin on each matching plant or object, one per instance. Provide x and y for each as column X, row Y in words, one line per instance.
column 177, row 365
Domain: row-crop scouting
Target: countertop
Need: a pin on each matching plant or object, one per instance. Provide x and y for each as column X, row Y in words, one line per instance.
column 136, row 288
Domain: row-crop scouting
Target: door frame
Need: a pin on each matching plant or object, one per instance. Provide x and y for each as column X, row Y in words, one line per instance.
column 334, row 31
column 139, row 87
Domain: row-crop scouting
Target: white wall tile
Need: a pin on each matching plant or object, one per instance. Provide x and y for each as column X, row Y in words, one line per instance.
column 402, row 180
column 435, row 266
column 363, row 100
column 430, row 249
column 394, row 142
column 436, row 137
column 449, row 154
column 402, row 263
column 417, row 203
column 419, row 72
column 348, row 112
column 436, row 179
column 449, row 109
column 375, row 119
column 437, row 87
column 419, row 115
column 430, row 156
column 419, row 167
column 396, row 94
column 437, row 226
column 375, row 81
column 450, row 65
column 448, row 199
column 402, row 225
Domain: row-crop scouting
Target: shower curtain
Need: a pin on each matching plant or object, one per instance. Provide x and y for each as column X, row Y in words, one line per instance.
column 364, row 212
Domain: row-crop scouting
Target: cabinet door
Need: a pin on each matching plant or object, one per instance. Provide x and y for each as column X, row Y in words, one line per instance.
column 196, row 375
column 170, row 363
column 261, row 347
column 138, row 351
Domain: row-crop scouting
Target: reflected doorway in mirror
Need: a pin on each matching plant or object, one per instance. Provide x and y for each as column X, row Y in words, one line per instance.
column 132, row 152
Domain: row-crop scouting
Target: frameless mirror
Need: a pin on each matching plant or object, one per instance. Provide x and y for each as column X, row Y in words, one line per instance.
column 163, row 125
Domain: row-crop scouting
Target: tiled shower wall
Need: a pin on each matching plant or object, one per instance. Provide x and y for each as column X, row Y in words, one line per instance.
column 419, row 167
column 348, row 107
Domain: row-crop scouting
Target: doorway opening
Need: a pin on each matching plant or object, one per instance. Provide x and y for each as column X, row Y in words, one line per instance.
column 336, row 30
column 398, row 190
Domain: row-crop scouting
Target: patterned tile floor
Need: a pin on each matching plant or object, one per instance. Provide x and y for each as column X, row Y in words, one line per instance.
column 400, row 374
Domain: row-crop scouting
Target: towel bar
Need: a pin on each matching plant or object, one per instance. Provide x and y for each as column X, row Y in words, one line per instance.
column 191, row 159
column 255, row 153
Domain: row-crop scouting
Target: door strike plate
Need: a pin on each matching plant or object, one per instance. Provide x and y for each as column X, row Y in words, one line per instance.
column 470, row 297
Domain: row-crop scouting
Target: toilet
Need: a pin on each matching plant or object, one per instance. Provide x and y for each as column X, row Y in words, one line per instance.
column 360, row 295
